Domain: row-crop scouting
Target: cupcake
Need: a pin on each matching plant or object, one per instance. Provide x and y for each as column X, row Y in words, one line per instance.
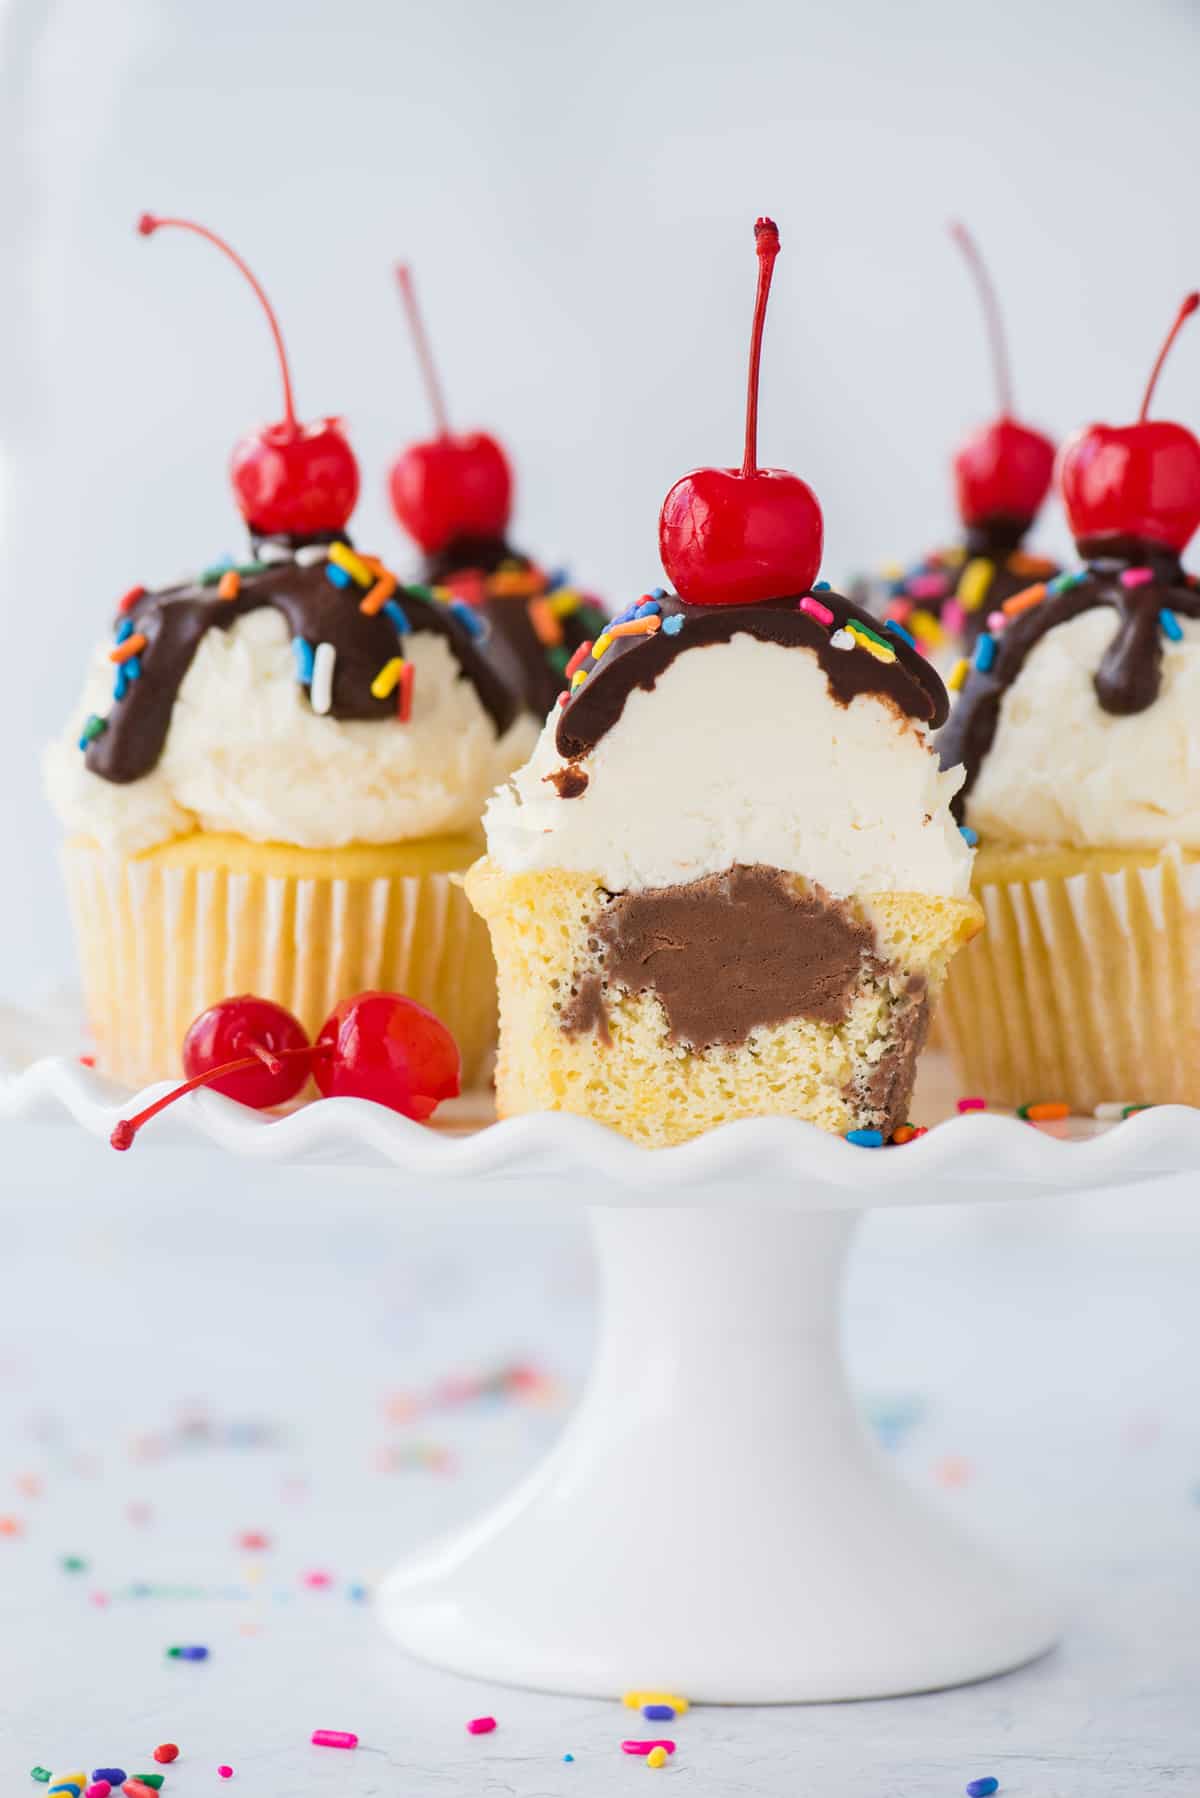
column 453, row 494
column 275, row 774
column 1079, row 729
column 1002, row 473
column 727, row 883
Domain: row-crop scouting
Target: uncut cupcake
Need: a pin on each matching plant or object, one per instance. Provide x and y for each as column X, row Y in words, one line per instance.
column 453, row 494
column 728, row 883
column 1002, row 473
column 1080, row 732
column 274, row 774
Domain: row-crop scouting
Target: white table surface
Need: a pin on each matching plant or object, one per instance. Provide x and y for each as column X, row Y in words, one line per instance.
column 220, row 1344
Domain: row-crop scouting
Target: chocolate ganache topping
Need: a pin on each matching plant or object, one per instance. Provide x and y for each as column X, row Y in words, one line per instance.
column 537, row 620
column 856, row 653
column 336, row 604
column 1145, row 587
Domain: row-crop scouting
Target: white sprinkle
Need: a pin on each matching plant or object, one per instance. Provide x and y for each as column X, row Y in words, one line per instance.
column 309, row 554
column 842, row 640
column 320, row 691
column 1111, row 1108
column 273, row 552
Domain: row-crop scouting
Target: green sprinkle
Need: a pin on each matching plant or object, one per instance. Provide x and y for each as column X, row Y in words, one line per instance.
column 42, row 1773
column 74, row 1564
column 858, row 625
column 150, row 1779
column 251, row 567
column 422, row 591
column 559, row 657
column 1130, row 1109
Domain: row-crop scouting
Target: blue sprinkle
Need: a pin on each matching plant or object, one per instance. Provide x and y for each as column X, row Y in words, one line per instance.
column 673, row 625
column 336, row 574
column 124, row 629
column 898, row 630
column 120, row 681
column 568, row 1757
column 556, row 580
column 468, row 617
column 658, row 1713
column 357, row 1593
column 658, row 593
column 983, row 1788
column 1170, row 625
column 985, row 652
column 302, row 649
column 626, row 615
column 116, row 1776
column 866, row 1139
column 649, row 608
column 822, row 587
column 1062, row 583
column 969, row 836
column 398, row 616
column 94, row 727
column 133, row 668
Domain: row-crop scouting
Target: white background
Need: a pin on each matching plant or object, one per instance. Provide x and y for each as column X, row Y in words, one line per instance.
column 576, row 187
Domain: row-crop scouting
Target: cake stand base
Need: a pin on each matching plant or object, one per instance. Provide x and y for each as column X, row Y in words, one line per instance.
column 716, row 1519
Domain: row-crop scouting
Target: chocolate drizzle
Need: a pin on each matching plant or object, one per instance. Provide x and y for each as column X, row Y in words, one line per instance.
column 474, row 568
column 176, row 620
column 637, row 661
column 1129, row 677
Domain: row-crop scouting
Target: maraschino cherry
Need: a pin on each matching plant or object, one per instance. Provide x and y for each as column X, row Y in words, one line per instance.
column 1003, row 470
column 734, row 536
column 451, row 485
column 290, row 479
column 1138, row 481
column 382, row 1047
column 378, row 1046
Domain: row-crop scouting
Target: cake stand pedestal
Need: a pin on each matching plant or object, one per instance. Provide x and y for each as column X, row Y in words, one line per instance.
column 716, row 1520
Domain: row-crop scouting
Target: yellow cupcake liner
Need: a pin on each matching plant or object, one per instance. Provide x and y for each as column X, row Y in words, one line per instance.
column 1085, row 984
column 164, row 934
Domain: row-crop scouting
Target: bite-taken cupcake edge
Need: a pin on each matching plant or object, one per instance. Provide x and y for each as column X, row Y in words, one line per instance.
column 1076, row 729
column 667, row 965
column 286, row 774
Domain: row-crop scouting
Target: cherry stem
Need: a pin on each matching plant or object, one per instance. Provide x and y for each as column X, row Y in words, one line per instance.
column 149, row 223
column 416, row 326
column 766, row 243
column 125, row 1131
column 1185, row 312
column 997, row 341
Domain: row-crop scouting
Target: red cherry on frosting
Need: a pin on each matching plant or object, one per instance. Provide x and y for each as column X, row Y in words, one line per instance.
column 249, row 1049
column 454, row 484
column 387, row 1048
column 1140, row 480
column 734, row 536
column 1003, row 469
column 290, row 479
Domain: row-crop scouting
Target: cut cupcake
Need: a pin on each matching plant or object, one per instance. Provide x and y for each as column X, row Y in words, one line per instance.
column 728, row 882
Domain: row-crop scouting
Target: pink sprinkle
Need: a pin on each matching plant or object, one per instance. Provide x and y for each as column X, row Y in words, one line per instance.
column 972, row 1104
column 1136, row 577
column 318, row 1580
column 334, row 1738
column 953, row 617
column 816, row 610
column 225, row 1772
column 99, row 1788
column 645, row 1747
column 996, row 621
column 253, row 1539
column 928, row 586
column 481, row 1726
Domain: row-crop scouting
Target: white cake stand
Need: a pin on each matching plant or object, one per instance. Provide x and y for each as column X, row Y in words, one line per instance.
column 715, row 1520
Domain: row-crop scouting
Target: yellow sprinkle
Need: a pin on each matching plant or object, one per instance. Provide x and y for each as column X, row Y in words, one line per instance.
column 956, row 680
column 355, row 567
column 974, row 582
column 578, row 678
column 657, row 1757
column 565, row 601
column 385, row 681
column 603, row 642
column 953, row 558
column 926, row 627
column 891, row 571
column 877, row 650
column 633, row 1701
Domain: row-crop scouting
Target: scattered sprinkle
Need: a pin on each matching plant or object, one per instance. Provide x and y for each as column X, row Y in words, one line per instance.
column 303, row 654
column 385, row 681
column 635, row 627
column 953, row 617
column 636, row 1747
column 1130, row 1109
column 188, row 1651
column 996, row 622
column 134, row 1788
column 166, row 1752
column 972, row 1103
column 898, row 630
column 40, row 1773
column 970, row 837
column 116, row 1776
column 908, row 1133
column 337, row 575
column 1136, row 577
column 546, row 626
column 153, row 1780
column 822, row 587
column 956, row 680
column 320, row 692
column 673, row 625
column 334, row 1738
column 469, row 618
column 1063, row 583
column 926, row 628
column 578, row 659
column 1171, row 626
column 72, row 1783
column 985, row 652
column 1025, row 600
column 657, row 1757
column 229, row 585
column 481, row 1726
column 568, row 1757
column 131, row 644
column 1047, row 1111
column 99, row 1788
column 634, row 1700
column 94, row 727
column 398, row 616
column 342, row 556
column 225, row 1772
column 974, row 582
column 213, row 573
column 816, row 610
column 73, row 1564
column 659, row 1713
column 841, row 640
column 983, row 1788
column 404, row 692
column 126, row 602
column 377, row 595
column 928, row 586
column 866, row 1139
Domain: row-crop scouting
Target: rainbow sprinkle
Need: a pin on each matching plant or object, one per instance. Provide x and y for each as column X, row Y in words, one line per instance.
column 866, row 639
column 229, row 585
column 1047, row 1111
column 974, row 582
column 956, row 680
column 343, row 557
column 577, row 660
column 385, row 682
column 1025, row 600
column 130, row 599
column 816, row 610
column 547, row 627
column 1063, row 583
column 972, row 1103
column 866, row 1139
column 985, row 652
column 338, row 575
column 898, row 630
column 470, row 620
column 926, row 629
column 398, row 616
column 970, row 837
column 303, row 652
column 1136, row 577
column 93, row 728
column 673, row 625
column 378, row 596
column 129, row 644
column 1171, row 627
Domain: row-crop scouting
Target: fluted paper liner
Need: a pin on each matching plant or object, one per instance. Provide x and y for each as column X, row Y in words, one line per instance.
column 160, row 942
column 1083, row 987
